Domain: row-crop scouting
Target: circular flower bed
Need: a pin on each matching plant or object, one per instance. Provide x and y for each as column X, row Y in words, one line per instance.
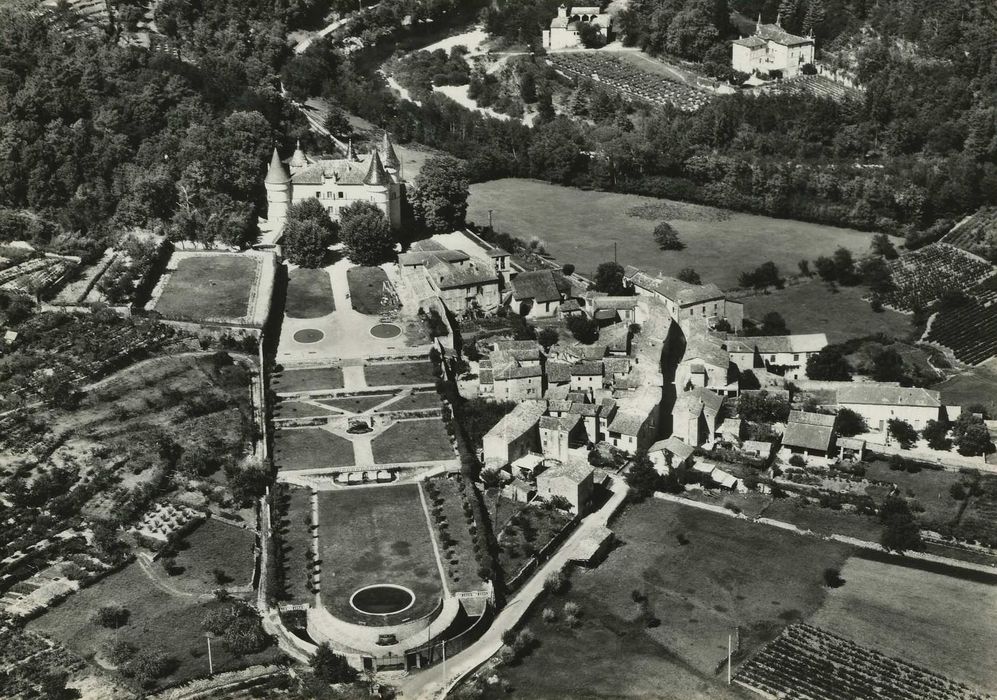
column 308, row 335
column 385, row 330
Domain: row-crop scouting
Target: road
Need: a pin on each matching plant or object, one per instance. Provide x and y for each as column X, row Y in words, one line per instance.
column 432, row 683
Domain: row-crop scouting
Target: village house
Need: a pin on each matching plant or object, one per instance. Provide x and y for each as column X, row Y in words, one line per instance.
column 705, row 363
column 514, row 436
column 784, row 355
column 810, row 436
column 636, row 421
column 684, row 300
column 559, row 434
column 670, row 453
column 564, row 32
column 878, row 403
column 335, row 183
column 771, row 49
column 539, row 293
column 460, row 281
column 606, row 309
column 572, row 481
column 695, row 415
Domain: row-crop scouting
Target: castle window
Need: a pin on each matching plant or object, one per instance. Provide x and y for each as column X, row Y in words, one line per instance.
column 339, row 194
column 318, row 195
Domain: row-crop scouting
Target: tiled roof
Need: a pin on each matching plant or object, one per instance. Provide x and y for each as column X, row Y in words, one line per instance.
column 523, row 417
column 276, row 175
column 696, row 400
column 752, row 42
column 586, row 369
column 451, row 276
column 614, row 302
column 616, row 365
column 342, row 171
column 376, row 175
column 575, row 472
column 563, row 423
column 558, row 372
column 851, row 443
column 883, row 395
column 675, row 446
column 673, row 289
column 596, row 351
column 811, row 437
column 808, row 418
column 706, row 348
column 538, row 285
column 731, row 426
column 775, row 33
column 771, row 344
column 390, row 157
column 516, row 372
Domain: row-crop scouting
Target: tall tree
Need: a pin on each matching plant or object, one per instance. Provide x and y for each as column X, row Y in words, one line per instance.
column 440, row 195
column 366, row 234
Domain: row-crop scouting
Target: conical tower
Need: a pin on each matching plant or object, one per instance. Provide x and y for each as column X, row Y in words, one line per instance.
column 391, row 161
column 351, row 155
column 376, row 175
column 298, row 160
column 278, row 186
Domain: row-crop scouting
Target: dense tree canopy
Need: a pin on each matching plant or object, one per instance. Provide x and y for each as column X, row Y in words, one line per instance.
column 440, row 195
column 366, row 234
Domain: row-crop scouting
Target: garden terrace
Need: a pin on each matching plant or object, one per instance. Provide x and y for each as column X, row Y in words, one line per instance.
column 377, row 535
column 413, row 441
column 922, row 276
column 453, row 522
column 808, row 662
column 978, row 235
column 969, row 331
column 979, row 519
column 295, row 531
column 356, row 404
column 311, row 448
column 815, row 85
column 216, row 287
column 629, row 80
column 37, row 275
column 23, row 654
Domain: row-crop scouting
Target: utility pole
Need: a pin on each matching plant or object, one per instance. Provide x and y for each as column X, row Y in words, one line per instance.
column 490, row 220
column 614, row 253
column 211, row 666
column 729, row 643
column 444, row 662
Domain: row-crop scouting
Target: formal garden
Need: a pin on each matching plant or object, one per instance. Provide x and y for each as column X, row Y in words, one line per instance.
column 309, row 294
column 399, row 373
column 294, row 532
column 370, row 536
column 370, row 291
column 423, row 440
column 456, row 533
column 311, row 448
column 290, row 381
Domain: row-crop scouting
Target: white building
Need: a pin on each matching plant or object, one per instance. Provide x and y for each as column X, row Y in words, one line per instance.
column 572, row 481
column 771, row 48
column 563, row 32
column 785, row 355
column 686, row 301
column 878, row 403
column 336, row 183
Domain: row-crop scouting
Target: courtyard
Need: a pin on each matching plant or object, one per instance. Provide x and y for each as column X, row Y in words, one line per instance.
column 371, row 536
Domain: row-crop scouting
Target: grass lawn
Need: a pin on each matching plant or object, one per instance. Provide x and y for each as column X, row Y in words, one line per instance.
column 929, row 487
column 209, row 286
column 587, row 224
column 824, row 521
column 299, row 409
column 296, row 541
column 457, row 544
column 399, row 373
column 940, row 622
column 357, row 404
column 376, row 535
column 158, row 622
column 413, row 441
column 812, row 307
column 309, row 294
column 215, row 545
column 417, row 401
column 367, row 290
column 700, row 591
column 311, row 448
column 316, row 379
column 975, row 385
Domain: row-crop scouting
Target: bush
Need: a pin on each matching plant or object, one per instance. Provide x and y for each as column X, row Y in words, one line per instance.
column 797, row 461
column 555, row 582
column 832, row 578
column 548, row 615
column 667, row 237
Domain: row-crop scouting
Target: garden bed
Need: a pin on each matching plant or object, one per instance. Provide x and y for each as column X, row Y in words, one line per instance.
column 296, row 543
column 210, row 287
column 453, row 527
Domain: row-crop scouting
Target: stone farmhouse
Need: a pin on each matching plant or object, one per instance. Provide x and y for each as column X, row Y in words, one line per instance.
column 336, row 183
column 878, row 403
column 512, row 371
column 695, row 415
column 772, row 48
column 541, row 293
column 515, row 436
column 785, row 355
column 573, row 482
column 685, row 301
column 564, row 27
column 810, row 436
column 460, row 281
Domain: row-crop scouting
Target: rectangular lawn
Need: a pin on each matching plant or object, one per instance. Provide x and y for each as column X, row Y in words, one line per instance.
column 414, row 402
column 376, row 535
column 311, row 448
column 924, row 617
column 399, row 373
column 209, row 287
column 312, row 379
column 413, row 441
column 719, row 244
column 367, row 292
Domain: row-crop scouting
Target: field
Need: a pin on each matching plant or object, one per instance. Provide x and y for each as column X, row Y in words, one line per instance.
column 921, row 276
column 719, row 244
column 940, row 622
column 158, row 622
column 413, row 441
column 929, row 487
column 824, row 521
column 699, row 590
column 311, row 448
column 317, row 379
column 376, row 535
column 209, row 287
column 367, row 292
column 399, row 373
column 976, row 385
column 813, row 308
column 309, row 294
column 215, row 545
column 970, row 331
column 806, row 661
column 295, row 535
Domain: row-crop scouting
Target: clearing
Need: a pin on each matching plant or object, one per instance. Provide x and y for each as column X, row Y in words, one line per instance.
column 720, row 244
column 937, row 621
column 309, row 294
column 376, row 535
column 210, row 287
column 413, row 441
column 702, row 575
column 311, row 448
column 975, row 385
column 215, row 555
column 812, row 307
